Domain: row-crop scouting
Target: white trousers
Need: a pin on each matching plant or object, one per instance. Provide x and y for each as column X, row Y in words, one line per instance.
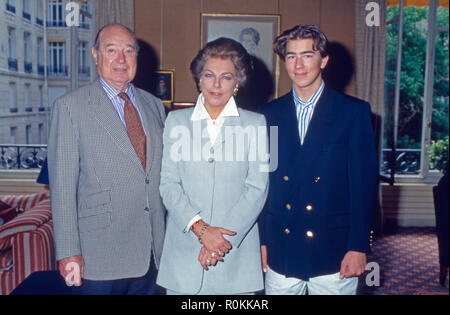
column 277, row 284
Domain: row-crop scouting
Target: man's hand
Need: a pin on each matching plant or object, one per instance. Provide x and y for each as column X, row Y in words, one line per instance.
column 264, row 257
column 68, row 269
column 353, row 264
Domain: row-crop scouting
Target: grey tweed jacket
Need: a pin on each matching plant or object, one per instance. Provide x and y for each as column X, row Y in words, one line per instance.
column 105, row 206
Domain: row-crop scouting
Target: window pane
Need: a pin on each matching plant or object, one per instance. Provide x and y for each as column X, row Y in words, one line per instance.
column 412, row 81
column 392, row 19
column 439, row 126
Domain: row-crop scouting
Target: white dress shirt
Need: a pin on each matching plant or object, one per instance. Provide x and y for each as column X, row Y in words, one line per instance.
column 213, row 126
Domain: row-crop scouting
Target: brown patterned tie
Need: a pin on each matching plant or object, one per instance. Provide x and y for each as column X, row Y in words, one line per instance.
column 134, row 129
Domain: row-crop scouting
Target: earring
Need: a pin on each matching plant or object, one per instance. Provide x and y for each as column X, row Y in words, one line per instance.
column 235, row 91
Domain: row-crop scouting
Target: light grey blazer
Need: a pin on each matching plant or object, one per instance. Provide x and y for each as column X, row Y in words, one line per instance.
column 225, row 193
column 104, row 205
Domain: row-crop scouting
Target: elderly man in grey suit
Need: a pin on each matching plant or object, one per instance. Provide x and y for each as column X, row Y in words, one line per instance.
column 104, row 154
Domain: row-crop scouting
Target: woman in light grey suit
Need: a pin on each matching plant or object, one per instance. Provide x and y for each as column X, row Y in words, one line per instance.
column 214, row 182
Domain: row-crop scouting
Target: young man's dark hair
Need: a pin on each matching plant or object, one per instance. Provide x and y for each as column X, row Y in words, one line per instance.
column 301, row 31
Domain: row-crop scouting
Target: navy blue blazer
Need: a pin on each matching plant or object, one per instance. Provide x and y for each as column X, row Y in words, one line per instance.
column 322, row 194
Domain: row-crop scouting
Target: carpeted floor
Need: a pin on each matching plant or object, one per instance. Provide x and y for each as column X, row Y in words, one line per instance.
column 408, row 263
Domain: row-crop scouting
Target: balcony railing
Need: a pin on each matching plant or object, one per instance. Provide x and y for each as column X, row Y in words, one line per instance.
column 407, row 161
column 84, row 71
column 39, row 21
column 22, row 156
column 12, row 64
column 28, row 109
column 84, row 25
column 28, row 67
column 13, row 110
column 56, row 23
column 10, row 8
column 57, row 71
column 26, row 15
column 40, row 69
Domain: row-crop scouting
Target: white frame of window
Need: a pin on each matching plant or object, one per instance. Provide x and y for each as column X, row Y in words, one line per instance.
column 12, row 42
column 56, row 11
column 12, row 95
column 27, row 46
column 426, row 175
column 28, row 134
column 57, row 51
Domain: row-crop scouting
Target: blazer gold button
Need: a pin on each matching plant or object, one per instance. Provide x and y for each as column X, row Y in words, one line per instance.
column 286, row 178
column 288, row 206
column 287, row 232
column 309, row 207
column 310, row 234
column 317, row 179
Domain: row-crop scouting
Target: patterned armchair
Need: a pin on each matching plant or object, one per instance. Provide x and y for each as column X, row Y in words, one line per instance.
column 26, row 242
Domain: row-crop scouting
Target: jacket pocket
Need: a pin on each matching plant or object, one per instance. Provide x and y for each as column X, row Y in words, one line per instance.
column 94, row 222
column 96, row 203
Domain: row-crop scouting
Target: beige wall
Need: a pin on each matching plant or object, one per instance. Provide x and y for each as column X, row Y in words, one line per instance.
column 172, row 28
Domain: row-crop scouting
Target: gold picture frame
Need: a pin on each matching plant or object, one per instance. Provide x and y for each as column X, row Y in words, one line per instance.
column 255, row 32
column 164, row 88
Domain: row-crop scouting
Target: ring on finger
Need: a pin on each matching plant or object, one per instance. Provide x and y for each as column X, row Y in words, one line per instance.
column 208, row 262
column 213, row 255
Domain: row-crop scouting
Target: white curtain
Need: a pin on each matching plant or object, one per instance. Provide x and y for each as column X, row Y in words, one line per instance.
column 114, row 11
column 370, row 55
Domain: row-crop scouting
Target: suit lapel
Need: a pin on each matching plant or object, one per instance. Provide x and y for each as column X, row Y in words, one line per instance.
column 107, row 116
column 320, row 122
column 317, row 133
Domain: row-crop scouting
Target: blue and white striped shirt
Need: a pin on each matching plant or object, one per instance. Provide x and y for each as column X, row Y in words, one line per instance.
column 305, row 110
column 118, row 102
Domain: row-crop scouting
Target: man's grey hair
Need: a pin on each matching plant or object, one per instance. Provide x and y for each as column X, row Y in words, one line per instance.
column 97, row 37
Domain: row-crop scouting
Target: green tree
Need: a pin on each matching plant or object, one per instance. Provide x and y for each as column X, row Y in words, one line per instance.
column 413, row 76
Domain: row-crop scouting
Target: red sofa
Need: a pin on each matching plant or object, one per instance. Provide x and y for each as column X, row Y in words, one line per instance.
column 26, row 242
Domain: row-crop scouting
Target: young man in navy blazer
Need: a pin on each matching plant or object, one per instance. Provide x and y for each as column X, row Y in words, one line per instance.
column 315, row 227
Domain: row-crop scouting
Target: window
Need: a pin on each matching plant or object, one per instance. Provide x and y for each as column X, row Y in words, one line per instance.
column 83, row 67
column 84, row 20
column 40, row 55
column 40, row 99
column 416, row 89
column 12, row 97
column 13, row 135
column 41, row 133
column 57, row 59
column 12, row 60
column 38, row 12
column 26, row 98
column 28, row 66
column 28, row 134
column 26, row 9
column 55, row 13
column 11, row 6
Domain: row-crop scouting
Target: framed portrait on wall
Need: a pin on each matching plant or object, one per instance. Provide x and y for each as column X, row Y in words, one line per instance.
column 164, row 86
column 255, row 32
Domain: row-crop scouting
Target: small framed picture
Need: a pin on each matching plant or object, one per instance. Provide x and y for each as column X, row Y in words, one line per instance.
column 164, row 86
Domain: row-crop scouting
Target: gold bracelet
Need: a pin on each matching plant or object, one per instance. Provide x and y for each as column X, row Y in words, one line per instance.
column 200, row 235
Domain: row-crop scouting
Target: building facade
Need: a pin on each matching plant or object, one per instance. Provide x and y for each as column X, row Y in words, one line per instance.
column 41, row 58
